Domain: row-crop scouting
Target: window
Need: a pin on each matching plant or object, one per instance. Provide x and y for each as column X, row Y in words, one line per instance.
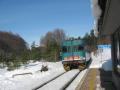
column 80, row 48
column 118, row 52
column 77, row 48
column 72, row 48
column 69, row 48
column 64, row 49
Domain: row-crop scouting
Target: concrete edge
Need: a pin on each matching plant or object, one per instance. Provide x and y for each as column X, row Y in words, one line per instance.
column 82, row 80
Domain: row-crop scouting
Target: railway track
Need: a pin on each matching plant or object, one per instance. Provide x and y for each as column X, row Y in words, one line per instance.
column 72, row 79
column 38, row 87
column 60, row 82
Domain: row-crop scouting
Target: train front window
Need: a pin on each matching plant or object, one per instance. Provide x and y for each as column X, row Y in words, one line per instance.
column 80, row 48
column 77, row 48
column 66, row 49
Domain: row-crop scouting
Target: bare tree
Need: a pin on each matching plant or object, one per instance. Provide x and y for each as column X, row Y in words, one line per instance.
column 59, row 36
column 52, row 41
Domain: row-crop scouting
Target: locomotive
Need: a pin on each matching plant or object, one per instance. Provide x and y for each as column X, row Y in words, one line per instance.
column 74, row 54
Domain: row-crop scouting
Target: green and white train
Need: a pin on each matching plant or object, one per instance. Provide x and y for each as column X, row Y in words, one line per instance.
column 74, row 54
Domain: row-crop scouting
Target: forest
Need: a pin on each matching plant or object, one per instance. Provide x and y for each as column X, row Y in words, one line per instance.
column 15, row 51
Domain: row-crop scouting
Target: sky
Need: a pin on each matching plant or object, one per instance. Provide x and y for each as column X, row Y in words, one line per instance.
column 32, row 19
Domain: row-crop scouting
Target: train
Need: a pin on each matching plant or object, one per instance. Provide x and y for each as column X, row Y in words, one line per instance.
column 74, row 54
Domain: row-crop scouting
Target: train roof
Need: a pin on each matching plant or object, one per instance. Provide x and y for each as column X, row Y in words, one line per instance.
column 73, row 42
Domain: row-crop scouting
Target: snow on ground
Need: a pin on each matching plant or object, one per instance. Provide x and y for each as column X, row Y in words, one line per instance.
column 31, row 80
column 102, row 59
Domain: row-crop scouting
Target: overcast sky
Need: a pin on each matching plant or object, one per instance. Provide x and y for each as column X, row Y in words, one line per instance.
column 31, row 19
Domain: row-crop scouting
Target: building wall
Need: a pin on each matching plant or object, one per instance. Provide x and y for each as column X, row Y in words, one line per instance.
column 116, row 57
column 111, row 20
column 111, row 27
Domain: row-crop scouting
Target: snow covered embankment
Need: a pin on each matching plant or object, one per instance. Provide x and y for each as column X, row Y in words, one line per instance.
column 102, row 60
column 28, row 81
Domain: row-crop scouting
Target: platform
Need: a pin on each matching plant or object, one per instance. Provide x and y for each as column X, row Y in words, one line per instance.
column 97, row 79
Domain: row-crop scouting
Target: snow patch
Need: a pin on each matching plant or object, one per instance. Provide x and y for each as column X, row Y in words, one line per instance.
column 102, row 59
column 107, row 65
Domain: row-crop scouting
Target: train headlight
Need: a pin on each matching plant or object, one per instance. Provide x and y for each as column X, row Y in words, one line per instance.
column 82, row 58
